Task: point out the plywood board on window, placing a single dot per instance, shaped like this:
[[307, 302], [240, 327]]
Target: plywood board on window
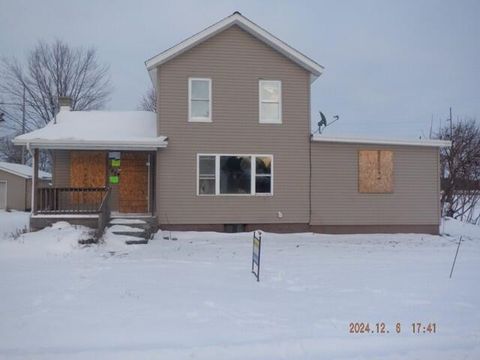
[[87, 170], [375, 171]]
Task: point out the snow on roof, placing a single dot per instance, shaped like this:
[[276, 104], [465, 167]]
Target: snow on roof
[[116, 130], [238, 19], [352, 140], [24, 171]]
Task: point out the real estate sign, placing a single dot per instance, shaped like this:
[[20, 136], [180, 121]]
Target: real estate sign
[[257, 246]]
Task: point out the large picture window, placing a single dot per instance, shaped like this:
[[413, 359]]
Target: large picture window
[[234, 174], [270, 99], [199, 100]]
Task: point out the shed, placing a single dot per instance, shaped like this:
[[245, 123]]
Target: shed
[[16, 186]]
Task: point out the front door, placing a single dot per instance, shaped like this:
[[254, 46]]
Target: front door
[[133, 186]]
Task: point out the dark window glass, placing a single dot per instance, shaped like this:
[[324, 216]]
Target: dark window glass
[[206, 176], [263, 165], [263, 184], [235, 175], [263, 175]]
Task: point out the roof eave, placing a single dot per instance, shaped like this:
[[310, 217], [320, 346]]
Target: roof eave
[[427, 143], [91, 145], [24, 176]]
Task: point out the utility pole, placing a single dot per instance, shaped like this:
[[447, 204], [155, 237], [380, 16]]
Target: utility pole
[[23, 124], [451, 124]]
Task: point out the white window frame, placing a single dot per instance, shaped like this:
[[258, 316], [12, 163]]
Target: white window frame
[[199, 118], [253, 174], [260, 101], [198, 174]]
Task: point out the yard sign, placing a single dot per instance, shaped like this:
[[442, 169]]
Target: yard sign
[[257, 246]]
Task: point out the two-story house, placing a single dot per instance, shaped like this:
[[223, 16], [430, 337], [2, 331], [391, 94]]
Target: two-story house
[[230, 149]]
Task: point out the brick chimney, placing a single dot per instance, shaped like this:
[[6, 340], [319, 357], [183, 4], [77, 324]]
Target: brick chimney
[[65, 103]]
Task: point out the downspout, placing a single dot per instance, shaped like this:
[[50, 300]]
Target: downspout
[[25, 198], [310, 182], [32, 200]]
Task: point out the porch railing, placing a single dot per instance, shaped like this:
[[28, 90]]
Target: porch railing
[[71, 200]]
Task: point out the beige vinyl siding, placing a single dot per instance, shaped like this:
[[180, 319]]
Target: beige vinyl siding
[[28, 191], [61, 168], [19, 190], [15, 190], [235, 61], [336, 201]]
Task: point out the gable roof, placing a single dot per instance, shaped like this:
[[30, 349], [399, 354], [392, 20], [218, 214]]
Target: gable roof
[[88, 130], [23, 171], [236, 18]]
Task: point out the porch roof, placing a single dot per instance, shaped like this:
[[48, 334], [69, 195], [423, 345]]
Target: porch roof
[[88, 130]]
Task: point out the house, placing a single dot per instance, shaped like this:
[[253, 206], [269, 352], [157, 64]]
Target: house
[[231, 149], [16, 186]]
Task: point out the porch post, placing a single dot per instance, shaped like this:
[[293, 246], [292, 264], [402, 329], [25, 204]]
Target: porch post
[[34, 180]]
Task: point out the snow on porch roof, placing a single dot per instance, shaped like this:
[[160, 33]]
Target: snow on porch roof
[[23, 171], [114, 130]]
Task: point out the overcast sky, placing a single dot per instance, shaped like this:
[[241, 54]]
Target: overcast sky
[[390, 67]]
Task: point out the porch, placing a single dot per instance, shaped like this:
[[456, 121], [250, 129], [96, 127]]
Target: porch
[[90, 186], [103, 161]]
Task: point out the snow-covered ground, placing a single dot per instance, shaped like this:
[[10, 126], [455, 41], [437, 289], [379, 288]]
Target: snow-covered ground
[[12, 223], [195, 298]]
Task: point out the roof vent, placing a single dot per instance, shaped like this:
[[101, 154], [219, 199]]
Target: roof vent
[[65, 103]]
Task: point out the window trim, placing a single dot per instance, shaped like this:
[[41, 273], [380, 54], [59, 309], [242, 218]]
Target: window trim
[[260, 101], [201, 118], [253, 172]]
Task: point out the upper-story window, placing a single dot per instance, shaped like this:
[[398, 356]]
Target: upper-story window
[[199, 99], [270, 99]]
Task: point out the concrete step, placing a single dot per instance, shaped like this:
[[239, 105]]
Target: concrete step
[[127, 239], [132, 235], [137, 230], [136, 223], [146, 223], [129, 230], [136, 242]]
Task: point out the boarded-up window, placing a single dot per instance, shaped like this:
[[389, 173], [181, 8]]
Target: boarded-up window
[[375, 171], [87, 170]]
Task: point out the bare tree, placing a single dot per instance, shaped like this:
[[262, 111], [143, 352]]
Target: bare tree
[[149, 101], [29, 91], [9, 152], [460, 170]]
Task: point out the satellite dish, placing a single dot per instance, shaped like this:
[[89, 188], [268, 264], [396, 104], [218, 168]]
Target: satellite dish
[[322, 124], [323, 121]]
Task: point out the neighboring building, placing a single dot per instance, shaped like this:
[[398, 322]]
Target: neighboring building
[[16, 186], [234, 102]]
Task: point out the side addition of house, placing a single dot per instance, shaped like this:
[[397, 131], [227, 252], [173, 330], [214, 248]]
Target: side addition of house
[[230, 149]]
